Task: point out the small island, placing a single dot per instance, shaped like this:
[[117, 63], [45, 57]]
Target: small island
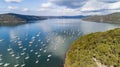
[[100, 49], [110, 18]]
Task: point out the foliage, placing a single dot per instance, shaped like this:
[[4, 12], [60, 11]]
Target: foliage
[[104, 46]]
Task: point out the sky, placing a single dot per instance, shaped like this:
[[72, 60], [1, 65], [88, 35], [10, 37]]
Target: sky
[[60, 7]]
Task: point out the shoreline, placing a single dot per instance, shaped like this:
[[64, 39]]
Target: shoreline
[[101, 22]]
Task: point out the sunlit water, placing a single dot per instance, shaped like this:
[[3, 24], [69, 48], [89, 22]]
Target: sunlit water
[[44, 43]]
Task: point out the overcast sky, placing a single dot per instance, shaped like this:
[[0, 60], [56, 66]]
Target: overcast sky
[[60, 7]]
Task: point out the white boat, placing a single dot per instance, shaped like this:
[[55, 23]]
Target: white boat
[[49, 55], [37, 61], [27, 57], [38, 55], [16, 65], [6, 64], [22, 65], [48, 59]]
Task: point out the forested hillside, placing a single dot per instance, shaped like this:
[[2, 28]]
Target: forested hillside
[[95, 49]]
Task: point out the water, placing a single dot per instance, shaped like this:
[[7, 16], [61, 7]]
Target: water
[[44, 43]]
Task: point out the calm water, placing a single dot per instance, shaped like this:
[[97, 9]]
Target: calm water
[[44, 43]]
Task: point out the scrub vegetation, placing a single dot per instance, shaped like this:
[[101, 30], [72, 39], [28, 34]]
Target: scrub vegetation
[[102, 46]]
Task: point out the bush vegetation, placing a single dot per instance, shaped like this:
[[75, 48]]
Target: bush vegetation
[[104, 46]]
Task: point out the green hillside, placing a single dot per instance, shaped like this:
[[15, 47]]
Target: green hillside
[[110, 18], [12, 18], [95, 49]]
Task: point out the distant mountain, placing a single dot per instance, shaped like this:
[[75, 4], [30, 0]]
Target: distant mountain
[[66, 17], [110, 18], [12, 18]]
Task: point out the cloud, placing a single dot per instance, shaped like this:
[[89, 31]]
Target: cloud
[[80, 3], [109, 1], [115, 5], [88, 5], [12, 7], [13, 1], [54, 9], [47, 5], [69, 3], [101, 7], [70, 7], [80, 7], [94, 5], [26, 9]]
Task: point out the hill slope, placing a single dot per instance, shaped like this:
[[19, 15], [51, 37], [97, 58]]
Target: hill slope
[[95, 49], [10, 18], [66, 17], [111, 18]]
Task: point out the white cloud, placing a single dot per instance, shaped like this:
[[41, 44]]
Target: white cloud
[[93, 5], [67, 11], [88, 7], [16, 1], [47, 5], [69, 7], [12, 7], [25, 9], [109, 1], [115, 5], [69, 3], [54, 9]]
